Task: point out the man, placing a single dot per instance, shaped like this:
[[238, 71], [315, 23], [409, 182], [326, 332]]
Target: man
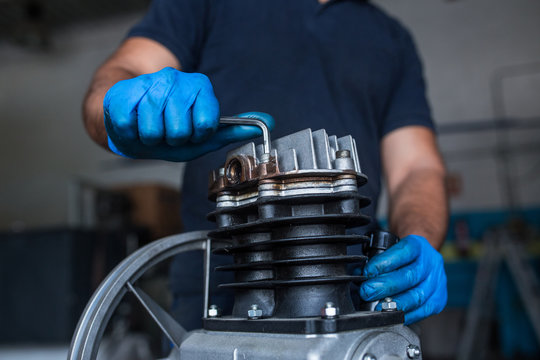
[[340, 65]]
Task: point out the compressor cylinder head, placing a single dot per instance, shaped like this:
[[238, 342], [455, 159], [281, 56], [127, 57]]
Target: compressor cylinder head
[[285, 218]]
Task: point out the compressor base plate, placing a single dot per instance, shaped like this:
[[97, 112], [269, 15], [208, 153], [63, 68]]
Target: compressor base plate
[[308, 325]]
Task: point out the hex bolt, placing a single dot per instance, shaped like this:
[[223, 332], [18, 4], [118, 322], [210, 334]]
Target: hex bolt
[[254, 312], [341, 154], [214, 311], [413, 352], [329, 311], [369, 357], [389, 305], [343, 160]]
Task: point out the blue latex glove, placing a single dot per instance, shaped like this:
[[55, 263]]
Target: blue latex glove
[[169, 115], [412, 274]]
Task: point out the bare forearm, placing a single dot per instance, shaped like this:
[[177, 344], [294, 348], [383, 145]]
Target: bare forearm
[[412, 273], [103, 80], [419, 206]]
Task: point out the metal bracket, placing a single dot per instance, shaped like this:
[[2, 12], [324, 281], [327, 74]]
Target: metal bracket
[[253, 122]]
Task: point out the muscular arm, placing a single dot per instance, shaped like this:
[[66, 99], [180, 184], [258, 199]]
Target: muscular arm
[[415, 176], [136, 56]]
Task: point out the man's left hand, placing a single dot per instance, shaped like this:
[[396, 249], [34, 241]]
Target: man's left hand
[[412, 274]]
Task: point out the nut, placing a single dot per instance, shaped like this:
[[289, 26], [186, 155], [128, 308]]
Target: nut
[[413, 351], [214, 311], [254, 312], [234, 171], [329, 311], [389, 305]]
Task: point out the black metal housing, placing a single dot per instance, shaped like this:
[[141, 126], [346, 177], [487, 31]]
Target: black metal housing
[[311, 325], [290, 252]]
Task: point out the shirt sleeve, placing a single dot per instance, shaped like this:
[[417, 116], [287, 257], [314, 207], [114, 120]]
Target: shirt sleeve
[[179, 25], [408, 104]]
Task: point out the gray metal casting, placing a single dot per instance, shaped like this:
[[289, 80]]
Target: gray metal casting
[[305, 188], [385, 343], [304, 150]]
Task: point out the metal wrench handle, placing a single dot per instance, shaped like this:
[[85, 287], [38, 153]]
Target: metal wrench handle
[[253, 122]]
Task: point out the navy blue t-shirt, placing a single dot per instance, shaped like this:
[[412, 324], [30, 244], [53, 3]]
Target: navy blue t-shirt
[[344, 66]]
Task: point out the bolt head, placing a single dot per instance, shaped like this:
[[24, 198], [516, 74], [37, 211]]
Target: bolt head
[[254, 312], [389, 305], [340, 154], [413, 352], [369, 357], [329, 311], [214, 311]]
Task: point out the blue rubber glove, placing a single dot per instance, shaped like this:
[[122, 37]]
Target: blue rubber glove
[[169, 115], [412, 274]]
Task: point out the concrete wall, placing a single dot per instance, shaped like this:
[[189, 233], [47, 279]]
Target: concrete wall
[[463, 44], [45, 149]]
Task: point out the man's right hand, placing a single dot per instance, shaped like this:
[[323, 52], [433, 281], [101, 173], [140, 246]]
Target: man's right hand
[[169, 115]]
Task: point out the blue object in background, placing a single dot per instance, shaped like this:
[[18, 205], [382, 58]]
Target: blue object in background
[[517, 337], [460, 279], [480, 221], [515, 332]]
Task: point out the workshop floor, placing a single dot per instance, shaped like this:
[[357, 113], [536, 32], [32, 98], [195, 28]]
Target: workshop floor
[[33, 352]]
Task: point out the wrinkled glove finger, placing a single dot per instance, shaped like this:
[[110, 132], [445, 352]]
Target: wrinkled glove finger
[[433, 305], [120, 110], [189, 151], [394, 282], [400, 254], [415, 297], [205, 111], [150, 113], [177, 119]]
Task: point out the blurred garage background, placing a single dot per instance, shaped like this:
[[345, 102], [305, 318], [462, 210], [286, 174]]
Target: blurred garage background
[[70, 211]]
